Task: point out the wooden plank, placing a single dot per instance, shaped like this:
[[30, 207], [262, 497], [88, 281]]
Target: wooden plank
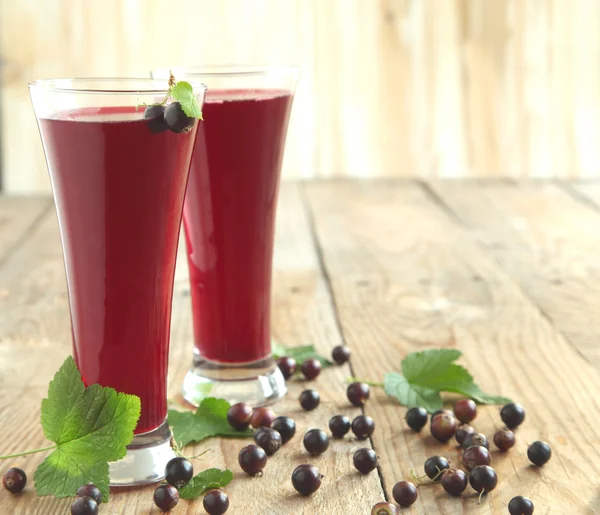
[[302, 312], [547, 241], [17, 216], [589, 190], [407, 277]]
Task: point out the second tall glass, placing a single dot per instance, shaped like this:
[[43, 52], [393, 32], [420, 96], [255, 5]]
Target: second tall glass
[[229, 221]]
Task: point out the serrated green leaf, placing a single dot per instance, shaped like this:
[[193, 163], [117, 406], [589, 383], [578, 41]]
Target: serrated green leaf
[[435, 369], [396, 385], [474, 392], [428, 364], [210, 419], [90, 426], [206, 480], [183, 92], [300, 353]]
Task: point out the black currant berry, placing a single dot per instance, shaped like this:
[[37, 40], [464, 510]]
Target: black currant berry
[[443, 427], [405, 493], [462, 432], [252, 459], [215, 502], [339, 425], [434, 466], [475, 456], [475, 439], [262, 417], [178, 472], [504, 439], [316, 441], [166, 497], [441, 412], [90, 491], [454, 481], [286, 427], [340, 354], [512, 415], [363, 427], [358, 393], [269, 439], [309, 400], [85, 506], [287, 366], [14, 480], [539, 453], [155, 116], [465, 410], [306, 479], [483, 479], [384, 508], [311, 368], [239, 416], [520, 506], [416, 418], [365, 460], [177, 120]]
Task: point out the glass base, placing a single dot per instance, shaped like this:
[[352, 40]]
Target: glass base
[[146, 459], [258, 383]]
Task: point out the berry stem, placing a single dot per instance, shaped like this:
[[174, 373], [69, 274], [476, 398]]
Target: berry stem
[[370, 383], [197, 455], [16, 455]]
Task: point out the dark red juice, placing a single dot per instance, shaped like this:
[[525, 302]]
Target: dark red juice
[[229, 219], [119, 191]]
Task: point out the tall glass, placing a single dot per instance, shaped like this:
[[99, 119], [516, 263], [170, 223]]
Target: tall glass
[[229, 221], [119, 187]]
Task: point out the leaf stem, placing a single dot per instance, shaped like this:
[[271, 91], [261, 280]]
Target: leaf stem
[[370, 383], [16, 455]]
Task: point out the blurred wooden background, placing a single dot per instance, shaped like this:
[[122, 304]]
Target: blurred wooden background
[[447, 88]]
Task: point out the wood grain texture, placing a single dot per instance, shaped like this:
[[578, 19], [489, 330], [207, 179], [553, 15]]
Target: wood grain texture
[[405, 277], [35, 339], [387, 87], [587, 190], [547, 241]]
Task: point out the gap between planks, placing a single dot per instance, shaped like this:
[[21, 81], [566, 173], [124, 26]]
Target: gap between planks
[[327, 279]]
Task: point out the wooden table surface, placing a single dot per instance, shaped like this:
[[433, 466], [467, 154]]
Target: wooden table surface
[[507, 273]]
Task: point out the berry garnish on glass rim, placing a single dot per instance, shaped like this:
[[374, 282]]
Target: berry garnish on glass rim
[[177, 112]]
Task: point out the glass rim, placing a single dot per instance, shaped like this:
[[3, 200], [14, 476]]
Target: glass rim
[[69, 85], [230, 70]]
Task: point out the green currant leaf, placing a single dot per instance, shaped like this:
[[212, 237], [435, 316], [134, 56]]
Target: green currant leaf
[[183, 93], [206, 480], [396, 385], [435, 369], [90, 426], [210, 419]]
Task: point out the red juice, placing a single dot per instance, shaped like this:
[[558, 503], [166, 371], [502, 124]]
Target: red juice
[[119, 191], [229, 220]]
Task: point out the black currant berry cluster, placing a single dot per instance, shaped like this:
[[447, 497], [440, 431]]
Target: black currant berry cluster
[[311, 367], [178, 473], [476, 457], [160, 118], [272, 432]]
